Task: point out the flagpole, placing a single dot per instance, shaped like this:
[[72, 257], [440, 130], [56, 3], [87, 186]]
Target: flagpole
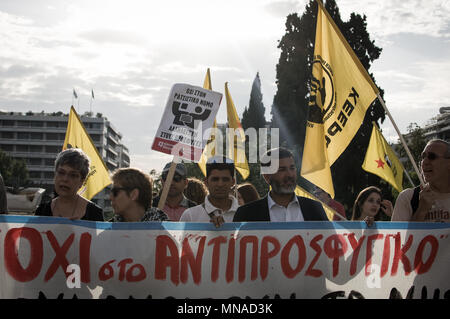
[[419, 175], [409, 177]]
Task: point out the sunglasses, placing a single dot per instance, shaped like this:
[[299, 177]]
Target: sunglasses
[[177, 178], [115, 190], [430, 156]]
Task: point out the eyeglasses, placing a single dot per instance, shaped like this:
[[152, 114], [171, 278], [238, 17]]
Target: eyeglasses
[[430, 155], [72, 175], [177, 178], [115, 190]]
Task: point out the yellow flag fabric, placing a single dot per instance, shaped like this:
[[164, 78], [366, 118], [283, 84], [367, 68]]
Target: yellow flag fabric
[[299, 191], [210, 146], [240, 160], [341, 92], [77, 137], [381, 160]]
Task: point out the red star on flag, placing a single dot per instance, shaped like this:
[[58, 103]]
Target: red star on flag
[[380, 163]]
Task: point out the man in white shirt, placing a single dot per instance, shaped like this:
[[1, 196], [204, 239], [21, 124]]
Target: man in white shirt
[[431, 202], [281, 204], [219, 206]]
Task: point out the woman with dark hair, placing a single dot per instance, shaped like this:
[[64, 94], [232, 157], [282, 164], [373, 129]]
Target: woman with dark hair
[[246, 193], [71, 170], [369, 206]]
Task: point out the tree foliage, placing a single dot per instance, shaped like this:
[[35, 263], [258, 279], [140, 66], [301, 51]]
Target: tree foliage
[[14, 171], [253, 116], [290, 105]]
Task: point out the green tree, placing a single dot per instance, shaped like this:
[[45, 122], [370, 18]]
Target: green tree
[[14, 171], [290, 106], [253, 116]]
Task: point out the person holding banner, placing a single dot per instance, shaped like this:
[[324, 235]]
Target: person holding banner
[[219, 205], [131, 197], [71, 170], [430, 202], [368, 205], [281, 204]]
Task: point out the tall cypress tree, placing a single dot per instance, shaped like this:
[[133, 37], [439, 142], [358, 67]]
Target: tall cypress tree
[[290, 105], [254, 115]]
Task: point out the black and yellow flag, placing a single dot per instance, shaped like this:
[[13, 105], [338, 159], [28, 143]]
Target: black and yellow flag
[[77, 137], [381, 160], [341, 92]]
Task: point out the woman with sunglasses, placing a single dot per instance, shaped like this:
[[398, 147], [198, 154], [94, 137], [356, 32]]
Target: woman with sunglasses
[[429, 202], [71, 170], [131, 197]]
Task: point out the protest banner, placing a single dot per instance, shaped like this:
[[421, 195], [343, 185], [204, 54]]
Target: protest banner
[[190, 111], [55, 257]]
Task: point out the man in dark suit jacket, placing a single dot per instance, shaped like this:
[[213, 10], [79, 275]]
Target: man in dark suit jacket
[[280, 204]]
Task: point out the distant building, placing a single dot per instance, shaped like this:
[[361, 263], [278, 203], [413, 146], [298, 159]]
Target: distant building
[[38, 137], [439, 126]]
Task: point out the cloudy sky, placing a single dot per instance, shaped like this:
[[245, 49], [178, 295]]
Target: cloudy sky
[[131, 53]]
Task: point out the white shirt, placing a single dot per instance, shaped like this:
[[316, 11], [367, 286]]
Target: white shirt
[[291, 213], [200, 213]]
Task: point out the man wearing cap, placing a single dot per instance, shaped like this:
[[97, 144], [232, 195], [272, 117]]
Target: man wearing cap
[[176, 203], [219, 206], [281, 204]]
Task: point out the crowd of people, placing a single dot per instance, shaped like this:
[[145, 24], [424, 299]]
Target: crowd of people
[[218, 200]]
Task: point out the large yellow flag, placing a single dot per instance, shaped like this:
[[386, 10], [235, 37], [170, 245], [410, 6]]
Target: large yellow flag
[[210, 148], [341, 92], [381, 160], [237, 137], [77, 137]]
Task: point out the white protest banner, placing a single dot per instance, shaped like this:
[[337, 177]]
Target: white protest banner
[[56, 257], [190, 111]]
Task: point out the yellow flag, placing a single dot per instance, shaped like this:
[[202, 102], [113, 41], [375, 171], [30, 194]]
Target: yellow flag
[[238, 139], [381, 160], [77, 137], [211, 144], [341, 92], [299, 191]]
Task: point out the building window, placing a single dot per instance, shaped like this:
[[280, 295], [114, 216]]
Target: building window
[[48, 175], [8, 123], [35, 161], [53, 149], [52, 136], [37, 124], [7, 134], [35, 174], [22, 148], [23, 135], [37, 136], [52, 124], [36, 148], [49, 162], [7, 147], [23, 123]]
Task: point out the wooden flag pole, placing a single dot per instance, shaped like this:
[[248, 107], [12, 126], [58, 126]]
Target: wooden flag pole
[[402, 140]]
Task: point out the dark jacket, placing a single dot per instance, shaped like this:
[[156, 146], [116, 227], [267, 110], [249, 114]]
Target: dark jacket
[[258, 211]]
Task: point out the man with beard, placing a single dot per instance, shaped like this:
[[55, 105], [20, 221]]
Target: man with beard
[[281, 204]]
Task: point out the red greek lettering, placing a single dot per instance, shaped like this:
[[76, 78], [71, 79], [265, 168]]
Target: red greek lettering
[[106, 271], [266, 254], [285, 253], [243, 256], [187, 257], [141, 274], [399, 255], [356, 246], [60, 255], [122, 267], [314, 245], [335, 247], [216, 242], [420, 266], [229, 274], [163, 261], [85, 253], [386, 256], [12, 263], [369, 253]]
